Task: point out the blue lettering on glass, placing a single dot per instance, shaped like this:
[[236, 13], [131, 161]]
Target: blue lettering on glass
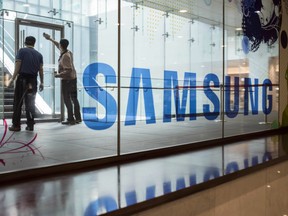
[[246, 163], [131, 198], [211, 115], [99, 94], [231, 167], [255, 160], [254, 100], [266, 84], [189, 82], [192, 179], [180, 184], [139, 74], [106, 202], [171, 83], [150, 192], [169, 76], [211, 173], [110, 204], [267, 156], [231, 113], [141, 79], [167, 187]]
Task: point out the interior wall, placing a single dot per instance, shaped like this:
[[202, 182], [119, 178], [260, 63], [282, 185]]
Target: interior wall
[[283, 96]]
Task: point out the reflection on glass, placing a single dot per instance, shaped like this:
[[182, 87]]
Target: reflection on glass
[[107, 190]]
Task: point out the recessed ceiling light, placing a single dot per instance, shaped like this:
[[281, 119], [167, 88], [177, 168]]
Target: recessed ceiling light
[[26, 5], [183, 11]]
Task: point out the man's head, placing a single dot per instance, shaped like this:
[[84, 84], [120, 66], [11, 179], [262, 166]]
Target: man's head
[[64, 43], [30, 41]]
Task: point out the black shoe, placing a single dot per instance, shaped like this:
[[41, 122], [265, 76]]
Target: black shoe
[[14, 128], [78, 121], [68, 122], [29, 128]]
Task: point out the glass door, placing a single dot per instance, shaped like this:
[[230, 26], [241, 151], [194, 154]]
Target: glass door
[[48, 102]]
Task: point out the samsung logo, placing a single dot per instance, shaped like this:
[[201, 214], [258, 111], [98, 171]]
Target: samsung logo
[[108, 203], [141, 79]]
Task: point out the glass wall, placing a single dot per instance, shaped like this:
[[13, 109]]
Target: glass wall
[[185, 71], [172, 63], [251, 73]]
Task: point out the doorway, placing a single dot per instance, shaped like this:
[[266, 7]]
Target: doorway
[[49, 102]]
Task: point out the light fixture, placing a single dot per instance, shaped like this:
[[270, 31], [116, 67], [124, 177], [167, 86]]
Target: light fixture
[[183, 11], [26, 5]]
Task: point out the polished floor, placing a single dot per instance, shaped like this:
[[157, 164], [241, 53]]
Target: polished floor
[[261, 193], [52, 143], [97, 192]]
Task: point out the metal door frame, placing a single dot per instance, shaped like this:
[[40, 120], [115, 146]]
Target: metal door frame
[[55, 27]]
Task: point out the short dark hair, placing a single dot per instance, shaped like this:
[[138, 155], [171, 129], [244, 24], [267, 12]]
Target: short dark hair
[[64, 43], [30, 41]]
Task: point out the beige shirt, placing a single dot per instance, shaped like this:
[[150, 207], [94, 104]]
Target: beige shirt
[[66, 67]]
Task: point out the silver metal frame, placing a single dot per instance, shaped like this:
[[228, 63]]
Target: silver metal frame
[[53, 27]]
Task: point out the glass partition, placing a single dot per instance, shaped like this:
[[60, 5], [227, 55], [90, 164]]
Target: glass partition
[[2, 74], [252, 74], [173, 71], [189, 71]]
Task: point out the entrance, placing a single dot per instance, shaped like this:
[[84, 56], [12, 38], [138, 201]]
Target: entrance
[[48, 102]]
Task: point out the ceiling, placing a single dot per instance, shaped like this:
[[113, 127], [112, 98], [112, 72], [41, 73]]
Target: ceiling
[[207, 11]]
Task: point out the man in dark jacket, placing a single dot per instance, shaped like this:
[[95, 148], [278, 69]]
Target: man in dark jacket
[[28, 63]]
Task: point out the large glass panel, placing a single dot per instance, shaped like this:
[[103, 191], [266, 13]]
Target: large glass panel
[[100, 69], [251, 81], [96, 65], [170, 174], [190, 71], [142, 67], [3, 76], [7, 58], [171, 74]]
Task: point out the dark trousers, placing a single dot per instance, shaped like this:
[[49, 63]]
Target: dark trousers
[[69, 92], [25, 90]]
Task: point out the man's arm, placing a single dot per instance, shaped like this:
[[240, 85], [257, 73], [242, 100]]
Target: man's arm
[[48, 37], [16, 72], [41, 87]]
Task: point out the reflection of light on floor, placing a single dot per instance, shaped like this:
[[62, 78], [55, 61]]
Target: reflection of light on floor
[[42, 106]]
